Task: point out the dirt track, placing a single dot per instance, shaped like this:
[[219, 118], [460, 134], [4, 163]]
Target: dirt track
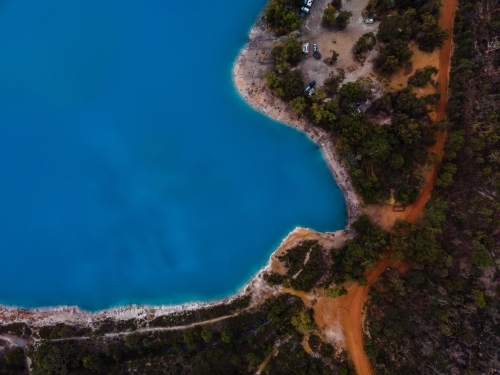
[[351, 306], [446, 22], [352, 303]]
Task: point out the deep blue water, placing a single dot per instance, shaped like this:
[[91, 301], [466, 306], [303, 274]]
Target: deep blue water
[[130, 169]]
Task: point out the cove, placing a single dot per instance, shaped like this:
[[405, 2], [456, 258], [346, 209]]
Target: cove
[[130, 169]]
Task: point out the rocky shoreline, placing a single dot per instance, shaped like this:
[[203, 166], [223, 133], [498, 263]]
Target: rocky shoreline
[[248, 79], [256, 288]]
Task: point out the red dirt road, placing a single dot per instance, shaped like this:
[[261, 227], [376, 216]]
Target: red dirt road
[[446, 22], [352, 303]]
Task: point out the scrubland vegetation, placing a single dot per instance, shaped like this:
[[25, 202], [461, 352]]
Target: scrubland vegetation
[[379, 158], [273, 331], [441, 317]]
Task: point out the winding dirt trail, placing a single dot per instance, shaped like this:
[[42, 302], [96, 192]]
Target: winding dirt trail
[[352, 304]]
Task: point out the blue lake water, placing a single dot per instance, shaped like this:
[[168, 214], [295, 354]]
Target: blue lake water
[[130, 169]]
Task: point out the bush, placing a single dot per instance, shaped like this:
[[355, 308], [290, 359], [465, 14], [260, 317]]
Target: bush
[[287, 55], [281, 17], [365, 43], [422, 76], [329, 16], [332, 83], [343, 19], [335, 56], [287, 86], [335, 291], [393, 56]]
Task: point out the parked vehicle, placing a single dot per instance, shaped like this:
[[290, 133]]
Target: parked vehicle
[[310, 86], [369, 20], [308, 3], [305, 10], [305, 48], [315, 47]]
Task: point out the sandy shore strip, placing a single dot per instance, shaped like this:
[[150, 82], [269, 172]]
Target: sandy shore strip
[[257, 288], [248, 78]]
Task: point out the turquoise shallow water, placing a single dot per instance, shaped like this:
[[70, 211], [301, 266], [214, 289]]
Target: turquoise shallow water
[[130, 169]]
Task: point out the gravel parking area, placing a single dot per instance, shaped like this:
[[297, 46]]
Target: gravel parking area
[[341, 41]]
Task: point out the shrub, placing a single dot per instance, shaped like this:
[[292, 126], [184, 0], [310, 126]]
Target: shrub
[[343, 19], [365, 43], [281, 17], [422, 76], [329, 16]]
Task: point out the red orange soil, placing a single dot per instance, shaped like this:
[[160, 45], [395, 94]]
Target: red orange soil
[[351, 305], [446, 22]]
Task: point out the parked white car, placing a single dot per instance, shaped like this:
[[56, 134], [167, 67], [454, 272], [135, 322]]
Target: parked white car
[[305, 10], [305, 48], [369, 20]]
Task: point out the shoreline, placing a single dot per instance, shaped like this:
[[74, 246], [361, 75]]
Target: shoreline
[[258, 96], [256, 287]]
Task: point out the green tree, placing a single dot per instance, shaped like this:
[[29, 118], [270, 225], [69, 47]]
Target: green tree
[[335, 291], [478, 298], [287, 55], [286, 86], [365, 43], [406, 195], [446, 173], [329, 16], [432, 39], [397, 161], [394, 28], [351, 91], [276, 311], [407, 129], [92, 362], [281, 17], [15, 357], [206, 334], [332, 83], [191, 337], [337, 4], [407, 102], [302, 322], [422, 76], [335, 56], [226, 336], [367, 85], [321, 114], [393, 56], [298, 104], [377, 146], [343, 19]]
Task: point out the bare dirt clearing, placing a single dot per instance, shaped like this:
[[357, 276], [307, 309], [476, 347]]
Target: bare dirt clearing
[[417, 61], [384, 216], [341, 41]]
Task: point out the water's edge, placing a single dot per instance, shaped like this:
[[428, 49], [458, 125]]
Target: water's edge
[[256, 287], [280, 111]]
